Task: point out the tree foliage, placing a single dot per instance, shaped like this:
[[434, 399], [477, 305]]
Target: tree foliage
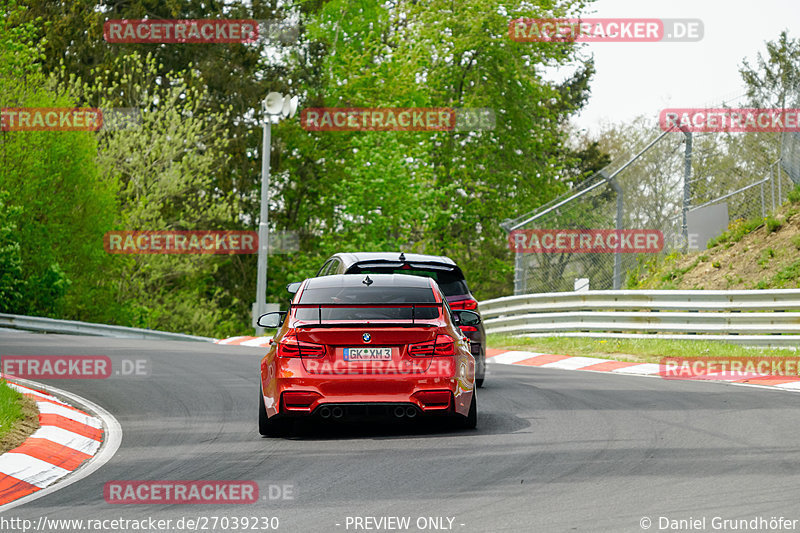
[[193, 161]]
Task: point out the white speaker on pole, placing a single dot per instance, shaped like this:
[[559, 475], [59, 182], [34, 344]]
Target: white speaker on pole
[[287, 104], [273, 103]]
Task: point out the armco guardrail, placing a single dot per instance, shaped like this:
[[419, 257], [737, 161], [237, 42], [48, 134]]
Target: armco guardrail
[[765, 317], [73, 327]]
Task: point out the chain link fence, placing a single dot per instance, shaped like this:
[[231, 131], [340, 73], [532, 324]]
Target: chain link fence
[[688, 186]]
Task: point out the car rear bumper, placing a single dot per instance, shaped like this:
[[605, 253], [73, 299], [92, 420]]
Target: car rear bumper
[[300, 393], [375, 411]]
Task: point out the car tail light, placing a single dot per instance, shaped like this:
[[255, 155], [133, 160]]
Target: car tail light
[[444, 345], [468, 328], [468, 304], [291, 347]]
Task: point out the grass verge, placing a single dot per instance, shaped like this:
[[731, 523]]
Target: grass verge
[[634, 350], [18, 417]]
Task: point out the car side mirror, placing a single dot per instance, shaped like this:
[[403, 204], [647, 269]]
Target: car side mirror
[[294, 287], [271, 320], [467, 318]]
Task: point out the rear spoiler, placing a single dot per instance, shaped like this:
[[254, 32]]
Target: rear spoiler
[[390, 263], [413, 307]]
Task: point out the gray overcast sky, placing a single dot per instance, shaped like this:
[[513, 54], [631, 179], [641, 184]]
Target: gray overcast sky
[[643, 78]]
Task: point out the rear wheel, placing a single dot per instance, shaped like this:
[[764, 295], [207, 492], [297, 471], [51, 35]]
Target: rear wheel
[[480, 373], [471, 420]]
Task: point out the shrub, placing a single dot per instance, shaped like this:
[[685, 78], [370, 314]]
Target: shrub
[[773, 224], [794, 195]]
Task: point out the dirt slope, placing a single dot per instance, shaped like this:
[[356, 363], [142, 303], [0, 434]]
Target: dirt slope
[[754, 254]]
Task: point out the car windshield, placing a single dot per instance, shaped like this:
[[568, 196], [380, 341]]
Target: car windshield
[[450, 281], [366, 303]]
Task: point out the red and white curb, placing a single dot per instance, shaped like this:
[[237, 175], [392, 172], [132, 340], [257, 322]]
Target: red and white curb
[[592, 364], [245, 341], [61, 450]]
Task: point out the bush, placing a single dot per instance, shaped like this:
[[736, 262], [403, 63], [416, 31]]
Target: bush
[[773, 224], [794, 195], [736, 230]]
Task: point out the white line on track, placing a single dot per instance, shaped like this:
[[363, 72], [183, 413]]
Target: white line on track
[[111, 443]]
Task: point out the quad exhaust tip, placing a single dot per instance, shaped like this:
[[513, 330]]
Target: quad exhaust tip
[[338, 412]]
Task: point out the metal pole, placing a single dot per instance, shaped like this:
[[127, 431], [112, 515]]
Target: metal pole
[[619, 226], [780, 175], [618, 254], [763, 207], [687, 199], [772, 187], [263, 225], [518, 272]]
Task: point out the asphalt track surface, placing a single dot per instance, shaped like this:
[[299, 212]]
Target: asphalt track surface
[[555, 450]]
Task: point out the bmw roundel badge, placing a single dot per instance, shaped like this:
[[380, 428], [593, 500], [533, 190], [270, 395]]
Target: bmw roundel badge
[[367, 337]]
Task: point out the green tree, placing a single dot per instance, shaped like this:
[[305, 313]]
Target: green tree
[[53, 177], [166, 160]]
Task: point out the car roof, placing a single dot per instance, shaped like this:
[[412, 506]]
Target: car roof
[[378, 280], [351, 258]]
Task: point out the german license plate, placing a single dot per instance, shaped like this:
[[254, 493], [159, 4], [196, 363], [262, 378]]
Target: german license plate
[[367, 354]]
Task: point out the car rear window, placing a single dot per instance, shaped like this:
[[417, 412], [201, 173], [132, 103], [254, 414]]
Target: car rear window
[[367, 295], [451, 283], [383, 296]]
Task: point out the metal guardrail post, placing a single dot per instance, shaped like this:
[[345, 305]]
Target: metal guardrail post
[[619, 224]]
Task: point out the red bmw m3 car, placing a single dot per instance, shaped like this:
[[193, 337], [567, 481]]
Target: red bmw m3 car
[[378, 345]]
